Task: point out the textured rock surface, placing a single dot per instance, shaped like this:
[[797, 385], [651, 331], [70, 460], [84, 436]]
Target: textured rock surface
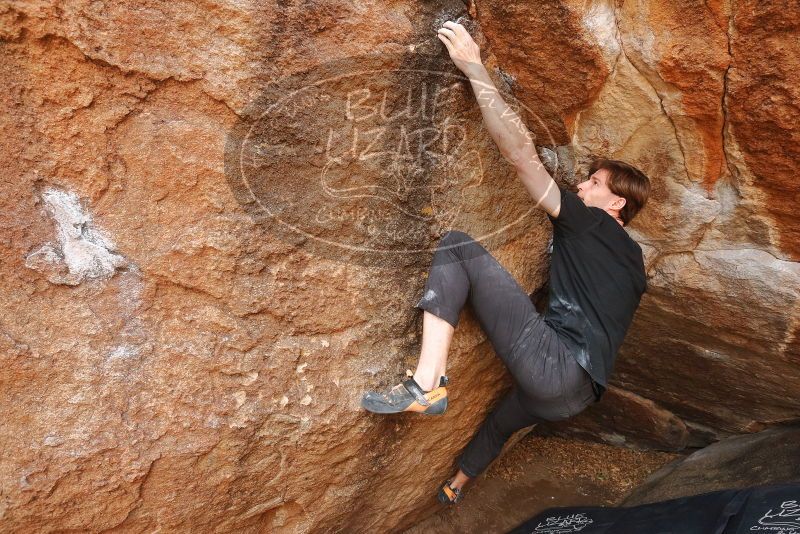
[[169, 362], [767, 457], [625, 419], [541, 473]]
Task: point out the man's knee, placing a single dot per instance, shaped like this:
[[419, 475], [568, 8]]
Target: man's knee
[[456, 245], [455, 237]]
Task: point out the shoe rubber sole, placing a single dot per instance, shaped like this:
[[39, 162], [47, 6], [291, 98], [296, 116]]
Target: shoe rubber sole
[[436, 397]]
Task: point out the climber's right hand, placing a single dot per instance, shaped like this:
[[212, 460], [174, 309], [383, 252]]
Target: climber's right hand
[[463, 49]]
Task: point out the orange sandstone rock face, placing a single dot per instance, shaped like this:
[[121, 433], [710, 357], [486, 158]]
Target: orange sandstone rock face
[[557, 63], [173, 358], [176, 356], [762, 107]]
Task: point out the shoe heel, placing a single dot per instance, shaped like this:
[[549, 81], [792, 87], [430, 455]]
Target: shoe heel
[[437, 408]]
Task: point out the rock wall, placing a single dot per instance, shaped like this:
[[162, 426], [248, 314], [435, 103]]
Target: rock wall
[[186, 331], [738, 462]]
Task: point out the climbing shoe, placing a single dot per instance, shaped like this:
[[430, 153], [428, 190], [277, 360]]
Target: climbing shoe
[[408, 396], [448, 495]]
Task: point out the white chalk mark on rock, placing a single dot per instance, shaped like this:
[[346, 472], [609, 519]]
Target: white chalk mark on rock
[[124, 351], [249, 378], [600, 21], [53, 440], [82, 251]]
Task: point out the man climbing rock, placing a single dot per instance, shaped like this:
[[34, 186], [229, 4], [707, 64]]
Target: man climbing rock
[[560, 361]]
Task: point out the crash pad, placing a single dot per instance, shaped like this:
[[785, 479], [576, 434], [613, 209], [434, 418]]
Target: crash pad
[[773, 509]]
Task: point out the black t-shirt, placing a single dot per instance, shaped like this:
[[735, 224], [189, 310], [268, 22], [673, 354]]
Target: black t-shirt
[[597, 278]]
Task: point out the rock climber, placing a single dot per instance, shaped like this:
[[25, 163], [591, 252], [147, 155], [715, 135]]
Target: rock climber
[[561, 361]]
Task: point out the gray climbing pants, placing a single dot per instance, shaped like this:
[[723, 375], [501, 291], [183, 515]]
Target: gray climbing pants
[[549, 384]]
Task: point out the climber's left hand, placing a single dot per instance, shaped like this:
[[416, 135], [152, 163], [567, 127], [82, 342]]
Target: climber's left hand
[[464, 51]]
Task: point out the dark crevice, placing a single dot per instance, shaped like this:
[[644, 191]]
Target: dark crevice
[[725, 121]]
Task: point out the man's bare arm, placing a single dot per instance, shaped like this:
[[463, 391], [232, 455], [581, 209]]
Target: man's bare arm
[[513, 139], [514, 142]]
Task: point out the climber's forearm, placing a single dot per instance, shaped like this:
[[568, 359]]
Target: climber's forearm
[[514, 140], [506, 128], [504, 125]]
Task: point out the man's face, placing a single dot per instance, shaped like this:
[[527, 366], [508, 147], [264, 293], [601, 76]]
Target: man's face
[[595, 192]]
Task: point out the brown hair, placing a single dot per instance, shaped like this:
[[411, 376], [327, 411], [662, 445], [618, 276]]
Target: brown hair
[[626, 181]]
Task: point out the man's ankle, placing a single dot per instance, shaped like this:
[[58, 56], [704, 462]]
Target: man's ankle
[[427, 384]]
